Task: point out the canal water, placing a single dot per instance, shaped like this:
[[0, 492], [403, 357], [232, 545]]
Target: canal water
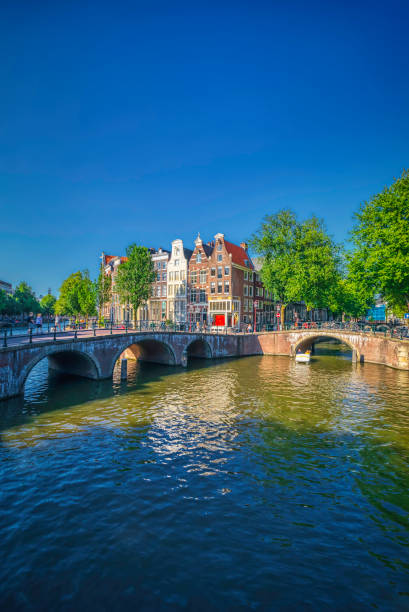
[[254, 483]]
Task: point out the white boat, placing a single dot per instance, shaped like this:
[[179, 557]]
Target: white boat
[[303, 357]]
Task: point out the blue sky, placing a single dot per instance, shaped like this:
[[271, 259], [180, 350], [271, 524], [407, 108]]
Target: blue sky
[[144, 122]]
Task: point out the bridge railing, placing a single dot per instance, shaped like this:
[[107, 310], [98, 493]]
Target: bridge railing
[[76, 331]]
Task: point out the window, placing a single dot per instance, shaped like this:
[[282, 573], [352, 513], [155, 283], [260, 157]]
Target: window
[[203, 275], [220, 257], [199, 258], [158, 276], [176, 276], [246, 275], [246, 290], [219, 272], [182, 274], [158, 291], [176, 250], [226, 286], [193, 277], [250, 276], [219, 246], [226, 271], [164, 291], [202, 296], [193, 296], [176, 262], [219, 287], [212, 287], [163, 265], [213, 272], [163, 276], [251, 291]]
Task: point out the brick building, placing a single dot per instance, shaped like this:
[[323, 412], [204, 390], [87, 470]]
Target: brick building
[[199, 270], [158, 310], [230, 284]]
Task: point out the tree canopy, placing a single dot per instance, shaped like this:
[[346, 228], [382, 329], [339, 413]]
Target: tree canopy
[[379, 262], [77, 296], [25, 299], [135, 277], [47, 304], [8, 305], [301, 262], [103, 288]]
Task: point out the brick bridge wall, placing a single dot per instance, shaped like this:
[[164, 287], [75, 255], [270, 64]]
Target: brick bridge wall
[[95, 357]]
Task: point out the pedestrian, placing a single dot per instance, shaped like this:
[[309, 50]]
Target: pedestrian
[[30, 321], [39, 322], [57, 323], [249, 328]]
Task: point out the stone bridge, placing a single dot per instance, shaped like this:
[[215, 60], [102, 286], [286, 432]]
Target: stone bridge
[[95, 356]]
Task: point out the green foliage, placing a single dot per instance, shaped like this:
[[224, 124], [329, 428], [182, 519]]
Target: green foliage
[[349, 298], [25, 299], [300, 260], [68, 300], [103, 288], [380, 260], [47, 304], [77, 296], [87, 296], [7, 303], [135, 277]]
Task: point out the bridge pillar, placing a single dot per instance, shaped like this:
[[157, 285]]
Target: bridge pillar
[[124, 369], [354, 356]]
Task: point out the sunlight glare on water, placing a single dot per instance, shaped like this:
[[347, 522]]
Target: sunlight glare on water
[[255, 482]]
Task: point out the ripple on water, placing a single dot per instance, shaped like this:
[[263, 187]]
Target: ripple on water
[[243, 483]]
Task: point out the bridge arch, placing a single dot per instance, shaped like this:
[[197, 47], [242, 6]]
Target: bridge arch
[[198, 348], [306, 342], [146, 349], [63, 359]]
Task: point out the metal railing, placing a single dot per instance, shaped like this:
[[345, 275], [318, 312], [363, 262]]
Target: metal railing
[[78, 330]]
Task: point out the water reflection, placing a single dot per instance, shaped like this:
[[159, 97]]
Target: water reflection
[[255, 482]]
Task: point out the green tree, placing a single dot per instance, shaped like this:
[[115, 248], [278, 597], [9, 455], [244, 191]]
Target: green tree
[[77, 296], [103, 288], [25, 299], [300, 260], [8, 305], [348, 298], [68, 301], [380, 260], [87, 296], [135, 277], [47, 304]]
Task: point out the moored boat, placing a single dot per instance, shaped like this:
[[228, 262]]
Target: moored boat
[[303, 357]]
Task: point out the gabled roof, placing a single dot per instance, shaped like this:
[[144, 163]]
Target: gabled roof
[[207, 249], [109, 258], [188, 253], [239, 255]]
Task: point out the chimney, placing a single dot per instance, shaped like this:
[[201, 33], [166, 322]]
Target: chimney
[[244, 245]]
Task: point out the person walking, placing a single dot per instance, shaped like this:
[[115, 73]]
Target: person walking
[[57, 323], [30, 321], [39, 322]]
